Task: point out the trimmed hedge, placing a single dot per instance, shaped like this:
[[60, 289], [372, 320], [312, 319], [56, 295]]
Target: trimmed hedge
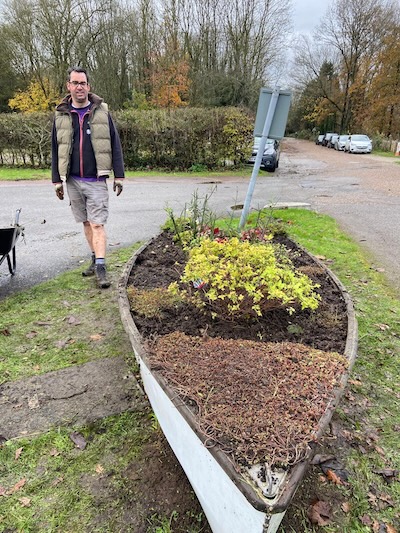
[[169, 139]]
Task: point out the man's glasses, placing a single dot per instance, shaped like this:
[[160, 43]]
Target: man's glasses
[[76, 83]]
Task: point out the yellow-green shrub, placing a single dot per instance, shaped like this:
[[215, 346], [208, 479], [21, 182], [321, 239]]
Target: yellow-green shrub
[[236, 278]]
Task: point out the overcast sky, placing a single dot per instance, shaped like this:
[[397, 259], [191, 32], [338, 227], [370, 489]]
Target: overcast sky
[[307, 14]]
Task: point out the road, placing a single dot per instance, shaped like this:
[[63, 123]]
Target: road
[[362, 192]]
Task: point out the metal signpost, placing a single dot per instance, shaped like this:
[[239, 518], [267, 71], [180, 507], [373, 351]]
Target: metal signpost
[[272, 112]]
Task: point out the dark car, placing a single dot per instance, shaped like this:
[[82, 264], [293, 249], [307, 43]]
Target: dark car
[[327, 138], [332, 140], [270, 158]]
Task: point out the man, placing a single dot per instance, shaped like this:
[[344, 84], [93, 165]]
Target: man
[[85, 147]]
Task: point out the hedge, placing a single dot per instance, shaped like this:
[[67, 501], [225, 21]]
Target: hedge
[[169, 139]]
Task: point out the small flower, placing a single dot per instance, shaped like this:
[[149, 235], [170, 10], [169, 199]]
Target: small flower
[[199, 284]]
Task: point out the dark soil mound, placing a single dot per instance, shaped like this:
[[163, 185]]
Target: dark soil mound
[[162, 262]]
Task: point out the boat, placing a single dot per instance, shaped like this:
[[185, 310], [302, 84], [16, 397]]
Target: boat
[[255, 499]]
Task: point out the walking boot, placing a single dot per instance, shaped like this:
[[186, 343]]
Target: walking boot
[[101, 276], [90, 271]]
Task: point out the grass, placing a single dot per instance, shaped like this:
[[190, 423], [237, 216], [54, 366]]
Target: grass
[[58, 495], [46, 327], [385, 154], [38, 335], [371, 411], [20, 173]]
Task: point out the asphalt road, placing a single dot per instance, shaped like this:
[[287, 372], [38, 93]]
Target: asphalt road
[[362, 192]]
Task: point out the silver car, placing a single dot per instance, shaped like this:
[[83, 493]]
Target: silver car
[[358, 144], [341, 142]]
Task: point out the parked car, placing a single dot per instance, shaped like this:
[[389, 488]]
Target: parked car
[[358, 144], [331, 142], [340, 142], [327, 138], [319, 139], [270, 158]]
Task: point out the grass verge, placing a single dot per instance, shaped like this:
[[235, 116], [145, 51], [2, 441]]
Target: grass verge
[[68, 321], [370, 412], [32, 174]]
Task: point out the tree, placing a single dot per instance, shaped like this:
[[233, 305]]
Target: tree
[[34, 98], [354, 30], [384, 91]]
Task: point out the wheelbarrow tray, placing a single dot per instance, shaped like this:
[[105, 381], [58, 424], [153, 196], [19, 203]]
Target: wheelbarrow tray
[[8, 239]]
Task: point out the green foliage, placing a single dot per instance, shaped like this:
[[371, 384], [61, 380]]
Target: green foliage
[[172, 139], [189, 226], [25, 139], [184, 138], [236, 278], [197, 167], [237, 135]]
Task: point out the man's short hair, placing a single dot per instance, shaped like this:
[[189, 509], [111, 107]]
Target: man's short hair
[[77, 69]]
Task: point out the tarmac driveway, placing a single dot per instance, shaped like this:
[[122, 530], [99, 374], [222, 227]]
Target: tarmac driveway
[[362, 192]]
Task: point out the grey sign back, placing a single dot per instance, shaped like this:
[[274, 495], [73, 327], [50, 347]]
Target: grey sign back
[[278, 126]]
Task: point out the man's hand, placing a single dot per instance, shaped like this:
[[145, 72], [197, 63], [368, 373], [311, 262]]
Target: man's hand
[[59, 188], [118, 186]]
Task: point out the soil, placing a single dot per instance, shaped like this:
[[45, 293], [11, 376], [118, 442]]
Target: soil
[[162, 262]]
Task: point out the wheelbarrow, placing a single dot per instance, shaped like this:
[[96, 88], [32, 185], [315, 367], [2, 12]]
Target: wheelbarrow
[[8, 239]]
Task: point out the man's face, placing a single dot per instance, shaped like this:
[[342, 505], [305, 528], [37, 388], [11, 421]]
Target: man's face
[[79, 89]]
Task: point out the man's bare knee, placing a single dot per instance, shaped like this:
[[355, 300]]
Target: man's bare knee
[[97, 226]]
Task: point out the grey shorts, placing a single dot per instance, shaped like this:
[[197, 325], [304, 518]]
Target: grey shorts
[[88, 200]]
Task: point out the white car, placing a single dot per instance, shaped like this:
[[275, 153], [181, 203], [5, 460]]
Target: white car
[[358, 144], [341, 142]]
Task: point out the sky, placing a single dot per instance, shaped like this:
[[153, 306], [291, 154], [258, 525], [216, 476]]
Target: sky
[[307, 14]]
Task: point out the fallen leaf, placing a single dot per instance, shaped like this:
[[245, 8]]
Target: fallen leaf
[[390, 529], [31, 334], [354, 382], [18, 453], [346, 507], [376, 527], [41, 323], [380, 450], [57, 481], [33, 402], [99, 469], [330, 474], [388, 474], [319, 513], [6, 332], [24, 501], [61, 344], [78, 440], [382, 327], [97, 337], [17, 486], [73, 321], [3, 491], [366, 520], [54, 452], [335, 467]]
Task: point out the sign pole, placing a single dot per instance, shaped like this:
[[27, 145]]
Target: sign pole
[[260, 152]]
